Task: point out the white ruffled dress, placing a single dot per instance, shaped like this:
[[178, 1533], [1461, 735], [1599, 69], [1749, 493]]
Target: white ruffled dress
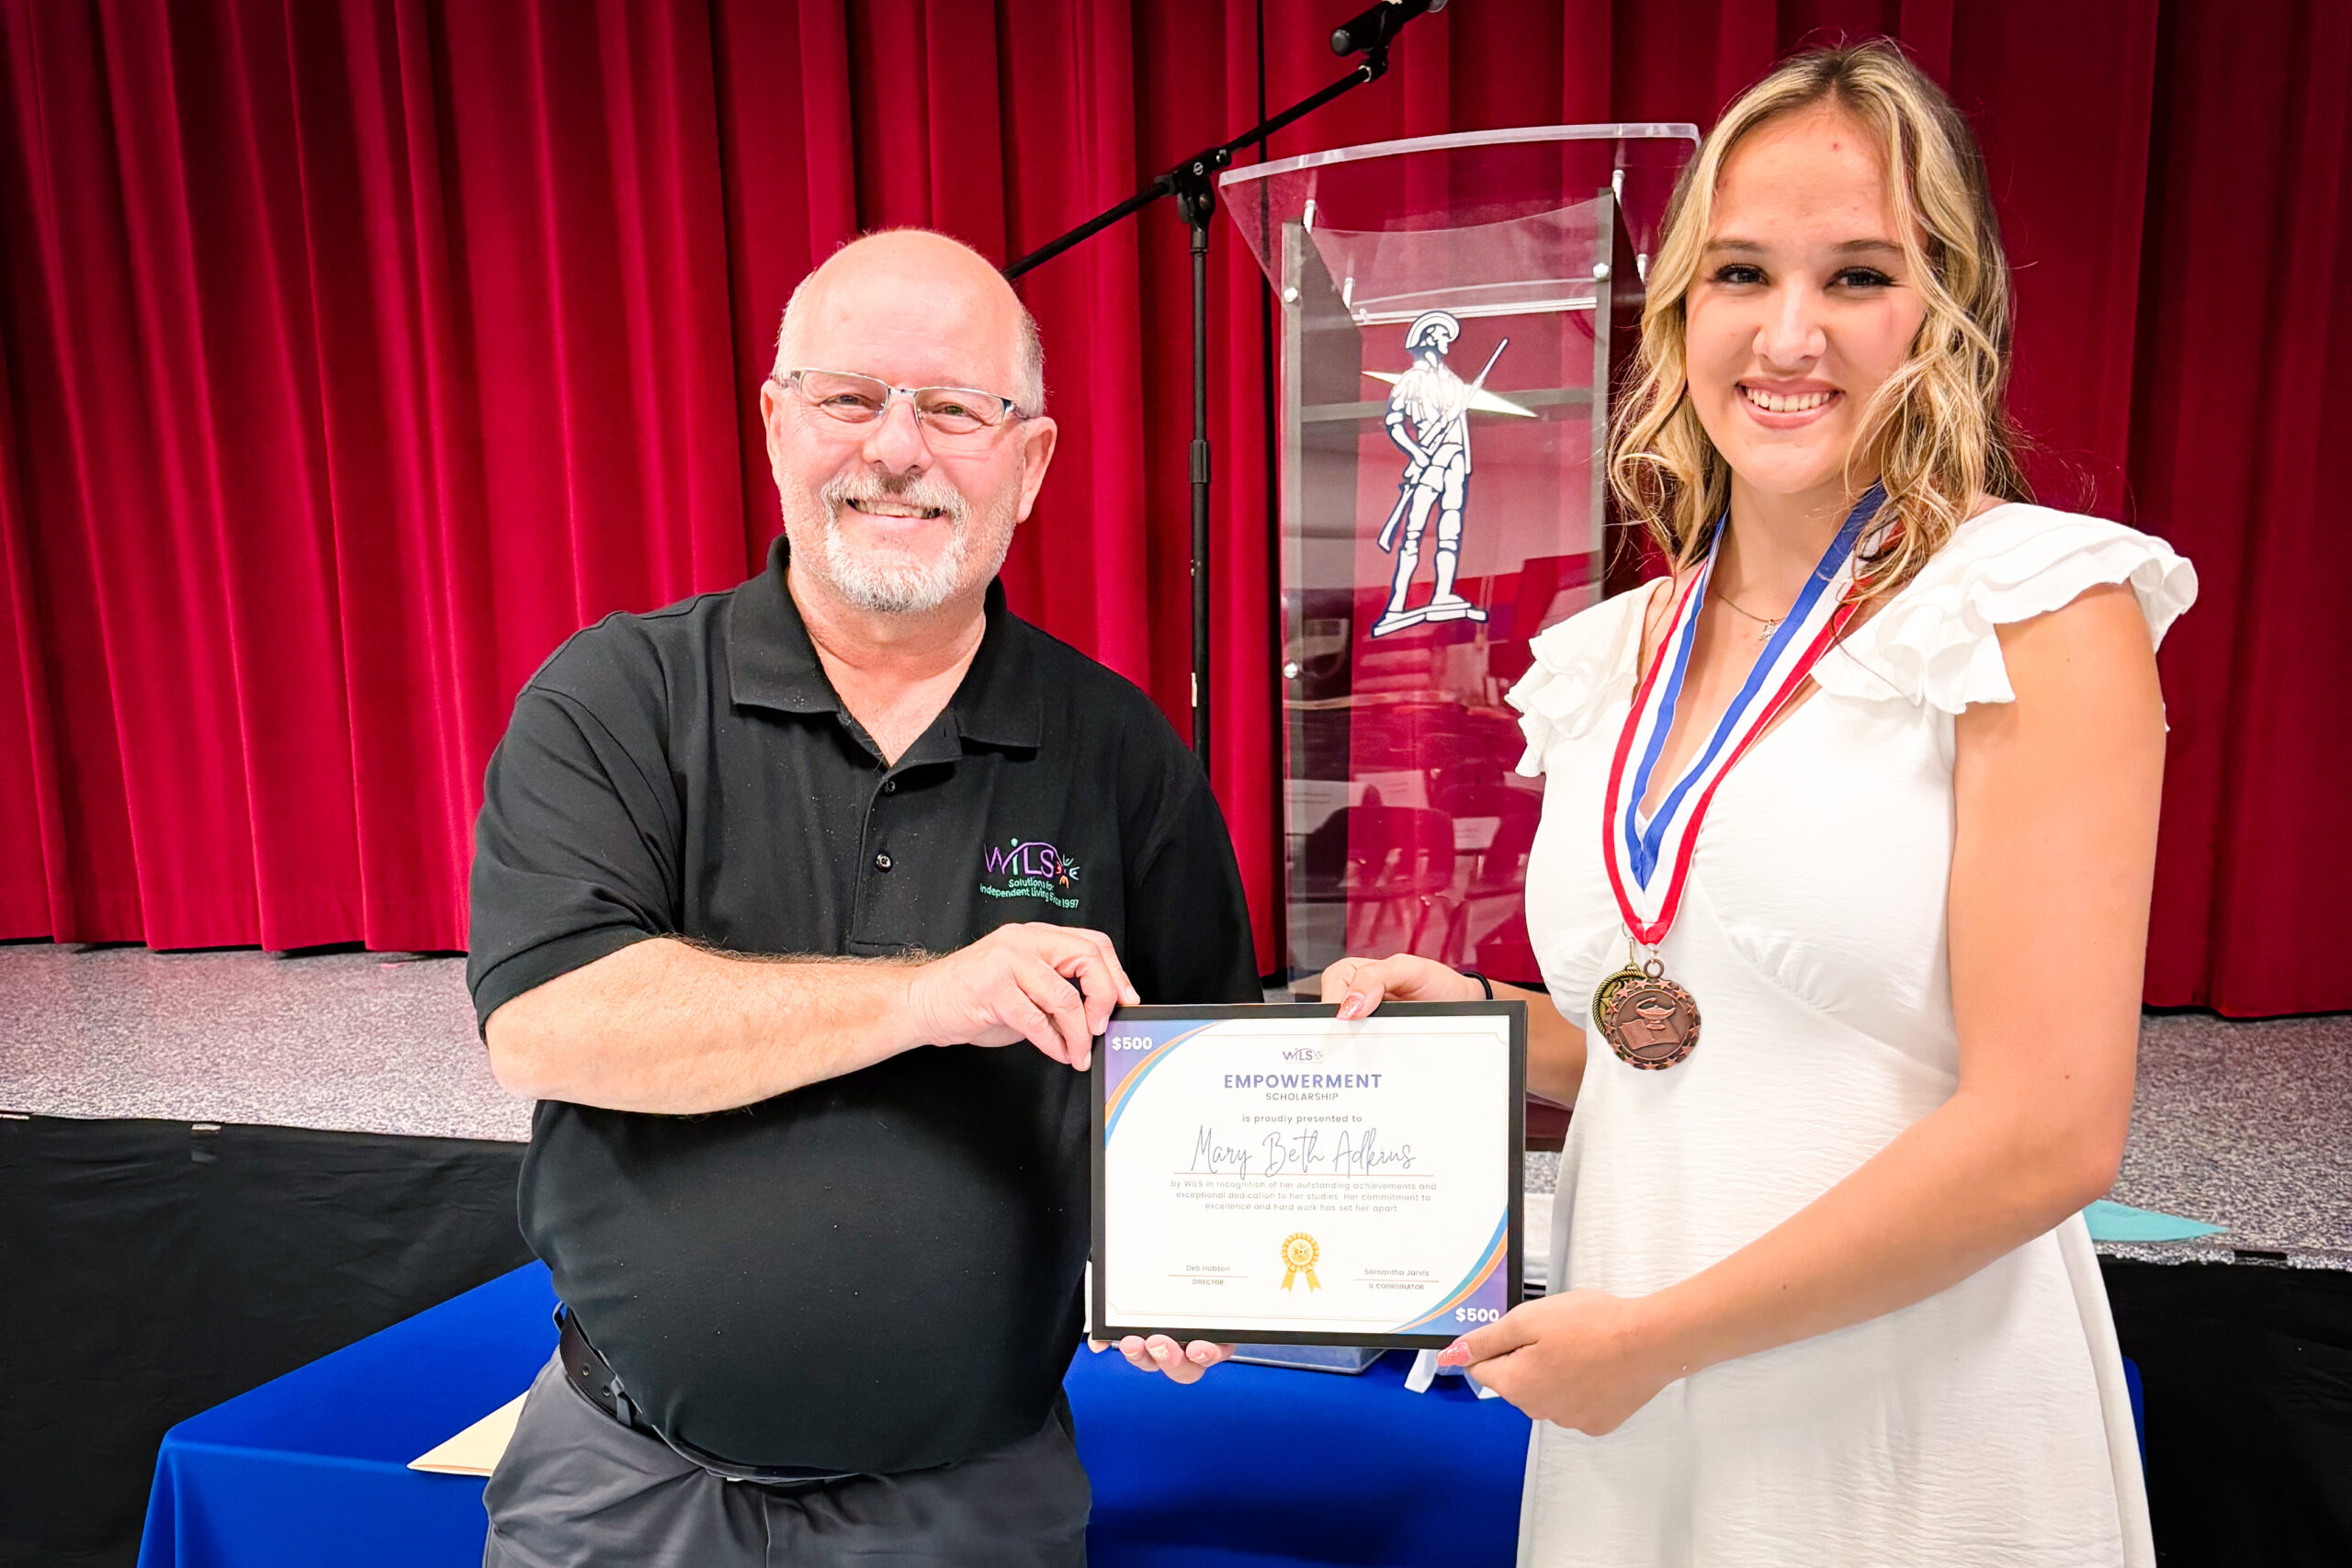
[[1988, 1426]]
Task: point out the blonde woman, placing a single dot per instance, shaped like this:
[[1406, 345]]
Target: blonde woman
[[1841, 896]]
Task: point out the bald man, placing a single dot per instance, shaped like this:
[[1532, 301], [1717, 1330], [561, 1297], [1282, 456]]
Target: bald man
[[799, 909]]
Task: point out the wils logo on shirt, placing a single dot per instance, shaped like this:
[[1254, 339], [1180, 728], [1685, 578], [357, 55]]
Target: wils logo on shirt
[[1029, 868]]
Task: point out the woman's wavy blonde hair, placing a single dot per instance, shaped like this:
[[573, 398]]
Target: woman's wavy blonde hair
[[1938, 430]]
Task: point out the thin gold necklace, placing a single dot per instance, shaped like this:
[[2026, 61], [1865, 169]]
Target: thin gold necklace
[[1759, 620]]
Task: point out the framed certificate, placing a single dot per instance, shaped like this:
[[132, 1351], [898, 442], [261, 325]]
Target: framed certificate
[[1274, 1174]]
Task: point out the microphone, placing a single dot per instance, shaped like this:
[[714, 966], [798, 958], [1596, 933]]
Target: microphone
[[1378, 25]]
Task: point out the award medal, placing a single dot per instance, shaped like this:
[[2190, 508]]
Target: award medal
[[1300, 1255], [1649, 1020]]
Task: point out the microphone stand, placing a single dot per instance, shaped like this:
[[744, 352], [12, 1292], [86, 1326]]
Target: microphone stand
[[1191, 183]]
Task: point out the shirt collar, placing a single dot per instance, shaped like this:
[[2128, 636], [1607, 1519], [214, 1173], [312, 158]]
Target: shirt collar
[[772, 663]]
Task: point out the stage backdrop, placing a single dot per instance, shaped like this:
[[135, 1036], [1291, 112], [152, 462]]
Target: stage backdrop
[[357, 351]]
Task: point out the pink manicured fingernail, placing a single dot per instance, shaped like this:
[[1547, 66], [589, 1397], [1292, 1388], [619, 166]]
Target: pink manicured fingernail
[[1454, 1355], [1355, 1005]]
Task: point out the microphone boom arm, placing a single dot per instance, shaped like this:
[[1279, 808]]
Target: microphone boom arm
[[1201, 167], [1192, 183]]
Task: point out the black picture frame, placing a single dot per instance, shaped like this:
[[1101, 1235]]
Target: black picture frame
[[1514, 1259]]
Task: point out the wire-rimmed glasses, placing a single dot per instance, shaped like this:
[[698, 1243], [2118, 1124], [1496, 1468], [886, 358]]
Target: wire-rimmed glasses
[[861, 399]]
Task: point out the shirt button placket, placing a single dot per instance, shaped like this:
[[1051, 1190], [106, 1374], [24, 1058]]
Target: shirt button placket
[[882, 861], [883, 899]]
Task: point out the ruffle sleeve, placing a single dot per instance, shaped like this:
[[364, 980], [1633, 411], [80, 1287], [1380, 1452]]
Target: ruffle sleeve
[[1935, 643], [1580, 666]]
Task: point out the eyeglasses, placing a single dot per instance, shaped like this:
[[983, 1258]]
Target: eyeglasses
[[861, 399]]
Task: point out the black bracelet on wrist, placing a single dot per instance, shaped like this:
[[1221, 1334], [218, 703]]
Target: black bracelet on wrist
[[1484, 984]]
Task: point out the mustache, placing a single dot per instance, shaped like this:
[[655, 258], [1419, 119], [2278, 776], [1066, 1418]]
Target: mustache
[[921, 489]]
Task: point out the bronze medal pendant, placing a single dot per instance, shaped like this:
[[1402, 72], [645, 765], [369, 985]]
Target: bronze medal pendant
[[1650, 1023]]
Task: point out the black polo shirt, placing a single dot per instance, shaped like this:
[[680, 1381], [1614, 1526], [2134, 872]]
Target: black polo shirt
[[880, 1271]]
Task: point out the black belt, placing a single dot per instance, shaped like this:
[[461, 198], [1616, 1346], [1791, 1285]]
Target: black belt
[[594, 1376]]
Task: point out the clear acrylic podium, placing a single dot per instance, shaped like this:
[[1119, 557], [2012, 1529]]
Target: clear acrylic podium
[[1452, 309]]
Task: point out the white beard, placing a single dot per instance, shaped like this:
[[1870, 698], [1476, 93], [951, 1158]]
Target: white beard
[[883, 578]]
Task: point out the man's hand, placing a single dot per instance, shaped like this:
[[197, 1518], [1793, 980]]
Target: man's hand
[[1182, 1363], [1052, 986], [1586, 1359]]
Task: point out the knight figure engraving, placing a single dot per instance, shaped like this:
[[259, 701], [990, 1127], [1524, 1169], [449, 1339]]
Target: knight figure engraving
[[1429, 418]]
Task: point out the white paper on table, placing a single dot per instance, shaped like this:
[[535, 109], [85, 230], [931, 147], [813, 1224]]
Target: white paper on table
[[478, 1449]]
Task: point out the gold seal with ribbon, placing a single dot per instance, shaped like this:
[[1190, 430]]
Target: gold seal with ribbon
[[1299, 1256]]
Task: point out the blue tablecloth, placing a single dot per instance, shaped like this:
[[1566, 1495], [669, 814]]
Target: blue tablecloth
[[1251, 1468]]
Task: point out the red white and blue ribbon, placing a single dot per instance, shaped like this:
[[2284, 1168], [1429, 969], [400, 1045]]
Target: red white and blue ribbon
[[1649, 861]]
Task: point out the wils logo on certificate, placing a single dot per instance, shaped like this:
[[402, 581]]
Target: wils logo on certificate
[[1272, 1173]]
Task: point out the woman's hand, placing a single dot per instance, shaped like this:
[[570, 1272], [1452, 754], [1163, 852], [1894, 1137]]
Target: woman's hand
[[1182, 1363], [1586, 1359], [1359, 985]]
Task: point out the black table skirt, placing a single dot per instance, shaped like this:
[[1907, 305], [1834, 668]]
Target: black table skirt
[[150, 1270]]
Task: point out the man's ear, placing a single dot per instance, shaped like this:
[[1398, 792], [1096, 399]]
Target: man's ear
[[1038, 437], [773, 414]]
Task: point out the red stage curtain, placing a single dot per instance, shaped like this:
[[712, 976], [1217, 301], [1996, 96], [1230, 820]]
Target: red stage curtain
[[358, 351]]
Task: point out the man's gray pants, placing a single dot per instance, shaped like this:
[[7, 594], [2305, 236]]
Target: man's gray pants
[[577, 1489]]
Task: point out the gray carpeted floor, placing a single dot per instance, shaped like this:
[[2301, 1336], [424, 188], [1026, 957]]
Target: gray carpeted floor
[[349, 1041]]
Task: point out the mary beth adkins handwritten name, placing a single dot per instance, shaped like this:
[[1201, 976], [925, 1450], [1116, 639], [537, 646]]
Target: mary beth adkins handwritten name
[[1299, 1153]]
